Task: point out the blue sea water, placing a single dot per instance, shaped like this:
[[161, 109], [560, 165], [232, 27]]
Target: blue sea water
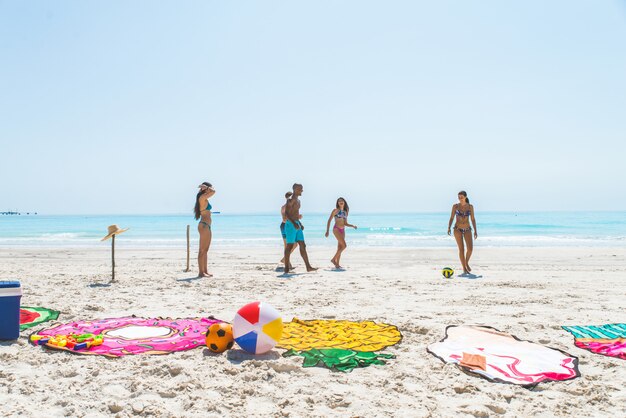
[[496, 229]]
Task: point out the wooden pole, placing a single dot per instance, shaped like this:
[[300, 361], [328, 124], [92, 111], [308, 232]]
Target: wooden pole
[[188, 269], [113, 258]]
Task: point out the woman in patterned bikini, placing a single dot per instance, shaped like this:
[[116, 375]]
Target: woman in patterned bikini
[[340, 213], [462, 229], [202, 212]]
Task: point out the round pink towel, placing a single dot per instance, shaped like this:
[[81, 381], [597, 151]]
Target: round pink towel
[[135, 335]]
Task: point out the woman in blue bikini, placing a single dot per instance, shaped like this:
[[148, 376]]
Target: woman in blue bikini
[[202, 212], [464, 212], [340, 213]]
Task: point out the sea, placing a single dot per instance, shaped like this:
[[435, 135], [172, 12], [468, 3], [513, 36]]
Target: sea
[[410, 230]]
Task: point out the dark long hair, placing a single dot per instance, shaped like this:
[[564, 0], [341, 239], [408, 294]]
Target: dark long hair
[[345, 204], [196, 208], [464, 193]]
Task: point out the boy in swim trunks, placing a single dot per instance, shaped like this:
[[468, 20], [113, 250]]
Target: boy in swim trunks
[[294, 229]]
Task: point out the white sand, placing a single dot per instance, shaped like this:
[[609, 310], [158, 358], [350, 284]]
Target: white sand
[[527, 292]]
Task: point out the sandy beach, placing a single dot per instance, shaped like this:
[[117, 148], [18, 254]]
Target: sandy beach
[[529, 292]]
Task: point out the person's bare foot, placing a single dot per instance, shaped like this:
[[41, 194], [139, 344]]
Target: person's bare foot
[[201, 275], [337, 266], [291, 267], [310, 269], [468, 268]]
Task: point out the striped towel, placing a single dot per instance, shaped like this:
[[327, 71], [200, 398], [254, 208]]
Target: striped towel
[[607, 340]]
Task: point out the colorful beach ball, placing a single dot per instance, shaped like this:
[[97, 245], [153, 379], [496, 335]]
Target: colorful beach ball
[[257, 327], [447, 272]]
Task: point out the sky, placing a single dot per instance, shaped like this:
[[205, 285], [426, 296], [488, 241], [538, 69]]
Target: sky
[[125, 107]]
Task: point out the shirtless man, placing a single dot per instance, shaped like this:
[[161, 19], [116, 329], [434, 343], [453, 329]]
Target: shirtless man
[[294, 228], [282, 227]]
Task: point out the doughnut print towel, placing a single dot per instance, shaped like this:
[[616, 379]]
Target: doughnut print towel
[[502, 357], [32, 316], [303, 335], [133, 335], [608, 340]]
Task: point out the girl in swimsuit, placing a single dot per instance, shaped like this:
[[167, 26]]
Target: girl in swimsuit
[[464, 212], [282, 228], [202, 212], [340, 213]]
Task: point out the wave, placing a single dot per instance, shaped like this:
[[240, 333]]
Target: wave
[[373, 236]]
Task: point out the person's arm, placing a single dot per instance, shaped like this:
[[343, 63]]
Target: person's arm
[[346, 221], [451, 218], [473, 221], [209, 193], [330, 218], [301, 226]]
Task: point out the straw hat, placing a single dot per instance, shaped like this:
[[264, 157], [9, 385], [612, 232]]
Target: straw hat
[[114, 230]]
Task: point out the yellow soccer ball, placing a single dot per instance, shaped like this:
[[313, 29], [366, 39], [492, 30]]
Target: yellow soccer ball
[[447, 272]]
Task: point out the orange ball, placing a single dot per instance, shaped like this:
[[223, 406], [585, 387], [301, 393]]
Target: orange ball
[[219, 337]]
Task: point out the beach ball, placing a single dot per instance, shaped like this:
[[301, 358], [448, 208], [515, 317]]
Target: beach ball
[[447, 272], [219, 337], [257, 327]]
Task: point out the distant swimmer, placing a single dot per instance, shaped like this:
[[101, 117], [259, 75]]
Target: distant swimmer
[[294, 229], [282, 228], [202, 212], [462, 230], [340, 213]]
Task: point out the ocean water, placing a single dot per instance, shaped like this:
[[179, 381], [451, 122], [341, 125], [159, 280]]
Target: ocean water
[[496, 229]]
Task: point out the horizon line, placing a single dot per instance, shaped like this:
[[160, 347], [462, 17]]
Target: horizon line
[[268, 213]]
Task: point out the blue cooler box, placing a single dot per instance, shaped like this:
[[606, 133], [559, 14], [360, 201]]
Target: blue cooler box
[[10, 296]]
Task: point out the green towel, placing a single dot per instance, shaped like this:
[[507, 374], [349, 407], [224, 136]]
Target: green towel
[[338, 359], [31, 316]]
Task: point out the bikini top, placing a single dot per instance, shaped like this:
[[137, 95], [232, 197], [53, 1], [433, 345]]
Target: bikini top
[[342, 214], [208, 206], [463, 214]]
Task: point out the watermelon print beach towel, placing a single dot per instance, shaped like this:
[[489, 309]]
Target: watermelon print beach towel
[[502, 357], [31, 316], [607, 340]]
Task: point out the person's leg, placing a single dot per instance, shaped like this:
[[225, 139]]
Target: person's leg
[[341, 246], [282, 260], [201, 258], [458, 236], [305, 256], [282, 233], [288, 250], [290, 243], [292, 250], [202, 251], [334, 259], [206, 256], [469, 242]]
